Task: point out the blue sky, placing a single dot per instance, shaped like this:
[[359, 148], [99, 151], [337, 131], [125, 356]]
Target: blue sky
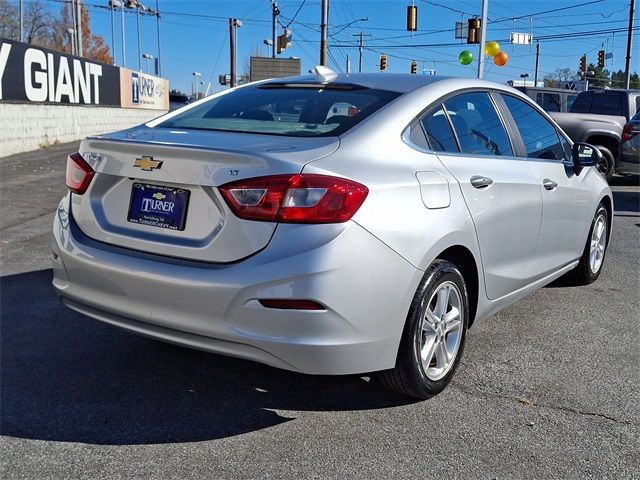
[[193, 39]]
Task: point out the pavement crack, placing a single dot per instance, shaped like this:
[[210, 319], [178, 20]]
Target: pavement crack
[[25, 220], [528, 402]]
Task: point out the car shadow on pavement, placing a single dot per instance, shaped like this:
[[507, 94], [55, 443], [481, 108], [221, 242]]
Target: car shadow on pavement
[[65, 377]]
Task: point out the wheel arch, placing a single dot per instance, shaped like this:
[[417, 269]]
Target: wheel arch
[[462, 258], [608, 204], [608, 141]]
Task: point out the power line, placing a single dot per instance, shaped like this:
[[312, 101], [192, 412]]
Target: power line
[[447, 7], [540, 38], [296, 14], [533, 15]]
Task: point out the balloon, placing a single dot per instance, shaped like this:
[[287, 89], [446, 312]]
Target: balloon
[[465, 57], [491, 48], [500, 59]]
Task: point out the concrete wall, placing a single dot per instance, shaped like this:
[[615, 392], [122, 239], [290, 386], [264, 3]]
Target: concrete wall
[[25, 127]]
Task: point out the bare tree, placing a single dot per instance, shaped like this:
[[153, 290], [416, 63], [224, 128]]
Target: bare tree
[[9, 20], [37, 23], [43, 27]]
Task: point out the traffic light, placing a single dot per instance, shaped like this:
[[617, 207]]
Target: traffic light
[[284, 40], [583, 63], [383, 62], [414, 67], [473, 36], [412, 18], [601, 58]]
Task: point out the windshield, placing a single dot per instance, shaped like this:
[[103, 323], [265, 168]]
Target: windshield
[[280, 109]]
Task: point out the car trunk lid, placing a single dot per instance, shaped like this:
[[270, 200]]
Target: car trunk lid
[[155, 190]]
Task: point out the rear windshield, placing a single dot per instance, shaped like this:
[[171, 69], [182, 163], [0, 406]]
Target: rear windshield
[[274, 109], [582, 103], [602, 103], [607, 104]]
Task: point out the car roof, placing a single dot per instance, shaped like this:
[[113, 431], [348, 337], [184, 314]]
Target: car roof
[[397, 82]]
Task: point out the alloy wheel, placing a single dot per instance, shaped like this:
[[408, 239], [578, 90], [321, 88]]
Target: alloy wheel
[[598, 243], [441, 331]]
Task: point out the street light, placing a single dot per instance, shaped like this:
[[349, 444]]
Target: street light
[[114, 4], [524, 77], [197, 75], [72, 33], [136, 4], [268, 42], [147, 57]]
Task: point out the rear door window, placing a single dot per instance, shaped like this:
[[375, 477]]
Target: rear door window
[[540, 137], [478, 127], [551, 102], [439, 133], [582, 103], [417, 136]]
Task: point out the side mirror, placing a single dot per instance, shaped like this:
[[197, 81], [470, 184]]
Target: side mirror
[[585, 155]]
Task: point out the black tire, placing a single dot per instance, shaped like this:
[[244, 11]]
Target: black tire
[[607, 165], [583, 274], [409, 377]]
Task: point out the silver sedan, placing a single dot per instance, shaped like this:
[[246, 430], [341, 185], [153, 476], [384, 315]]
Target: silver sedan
[[330, 224]]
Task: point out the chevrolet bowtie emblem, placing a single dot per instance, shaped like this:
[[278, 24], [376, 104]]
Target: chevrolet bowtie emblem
[[147, 163]]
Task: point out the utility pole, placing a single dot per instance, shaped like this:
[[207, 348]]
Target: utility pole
[[232, 52], [275, 12], [113, 34], [233, 24], [483, 36], [324, 27], [22, 20], [360, 48], [159, 69], [627, 66], [535, 77], [348, 64], [79, 28], [138, 28], [124, 55]]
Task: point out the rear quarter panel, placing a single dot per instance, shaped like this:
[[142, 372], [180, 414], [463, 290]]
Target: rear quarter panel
[[375, 155]]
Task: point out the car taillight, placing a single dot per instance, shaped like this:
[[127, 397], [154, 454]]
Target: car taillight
[[627, 132], [297, 198], [79, 173]]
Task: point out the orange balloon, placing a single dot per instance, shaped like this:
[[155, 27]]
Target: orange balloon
[[500, 59]]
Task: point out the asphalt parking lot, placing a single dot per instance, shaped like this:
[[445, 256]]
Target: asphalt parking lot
[[547, 388]]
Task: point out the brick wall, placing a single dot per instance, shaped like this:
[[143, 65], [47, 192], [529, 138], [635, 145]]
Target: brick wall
[[25, 127]]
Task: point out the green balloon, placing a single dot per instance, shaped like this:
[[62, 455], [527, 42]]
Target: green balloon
[[465, 57]]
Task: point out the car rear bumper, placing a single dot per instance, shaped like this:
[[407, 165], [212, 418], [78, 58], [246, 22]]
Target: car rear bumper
[[366, 287]]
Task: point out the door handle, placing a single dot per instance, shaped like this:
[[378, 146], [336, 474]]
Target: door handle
[[549, 184], [478, 181]]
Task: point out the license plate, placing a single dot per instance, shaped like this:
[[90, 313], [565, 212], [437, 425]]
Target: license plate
[[158, 206]]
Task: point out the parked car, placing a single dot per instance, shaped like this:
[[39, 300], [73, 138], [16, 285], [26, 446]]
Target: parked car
[[178, 100], [551, 99], [629, 162], [325, 243], [598, 117]]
